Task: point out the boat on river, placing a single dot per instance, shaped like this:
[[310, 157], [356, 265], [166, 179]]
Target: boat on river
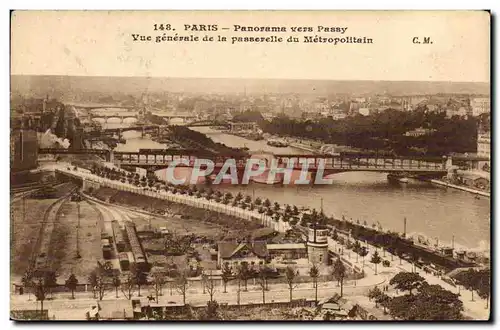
[[277, 143], [263, 179]]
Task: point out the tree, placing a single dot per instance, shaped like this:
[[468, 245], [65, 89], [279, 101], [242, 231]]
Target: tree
[[71, 284], [258, 201], [50, 281], [374, 293], [383, 300], [159, 281], [244, 273], [314, 273], [227, 275], [40, 294], [27, 281], [127, 285], [115, 281], [263, 275], [291, 275], [406, 281], [414, 260], [211, 312], [140, 277], [469, 279], [181, 284], [431, 302], [375, 260], [211, 286], [357, 248], [267, 203], [339, 272]]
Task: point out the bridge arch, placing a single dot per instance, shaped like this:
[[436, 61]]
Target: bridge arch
[[177, 121]]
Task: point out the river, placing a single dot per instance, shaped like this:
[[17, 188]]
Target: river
[[435, 212]]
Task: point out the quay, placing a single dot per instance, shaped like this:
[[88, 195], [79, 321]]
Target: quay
[[450, 185]]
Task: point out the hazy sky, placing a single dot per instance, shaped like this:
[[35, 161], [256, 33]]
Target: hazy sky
[[101, 44]]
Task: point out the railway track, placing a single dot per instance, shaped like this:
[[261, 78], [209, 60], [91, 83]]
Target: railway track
[[99, 213], [40, 258], [26, 192]]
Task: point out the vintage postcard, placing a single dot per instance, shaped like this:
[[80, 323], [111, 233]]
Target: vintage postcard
[[250, 165]]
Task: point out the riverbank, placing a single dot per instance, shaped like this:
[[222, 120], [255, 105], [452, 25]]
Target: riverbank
[[454, 186], [304, 147]]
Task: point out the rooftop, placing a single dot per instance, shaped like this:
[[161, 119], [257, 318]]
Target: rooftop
[[230, 249], [286, 246]]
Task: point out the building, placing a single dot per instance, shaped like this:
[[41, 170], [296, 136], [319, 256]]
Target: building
[[253, 253], [480, 105], [338, 116], [243, 126], [287, 251], [420, 132], [364, 111], [417, 100], [317, 244], [484, 147], [23, 150], [258, 252], [474, 179]]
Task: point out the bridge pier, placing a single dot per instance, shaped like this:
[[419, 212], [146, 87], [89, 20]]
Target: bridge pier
[[449, 167]]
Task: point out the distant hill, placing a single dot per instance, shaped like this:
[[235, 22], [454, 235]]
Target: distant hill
[[67, 86]]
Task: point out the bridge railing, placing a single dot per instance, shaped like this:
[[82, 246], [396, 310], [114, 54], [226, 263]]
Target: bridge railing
[[165, 157]]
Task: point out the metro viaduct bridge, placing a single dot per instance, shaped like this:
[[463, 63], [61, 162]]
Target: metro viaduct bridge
[[155, 159]]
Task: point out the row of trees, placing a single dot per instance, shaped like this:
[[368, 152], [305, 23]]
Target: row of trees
[[419, 301], [476, 280], [193, 139], [274, 210], [381, 131]]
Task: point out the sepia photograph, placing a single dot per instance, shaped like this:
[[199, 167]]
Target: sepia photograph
[[329, 166]]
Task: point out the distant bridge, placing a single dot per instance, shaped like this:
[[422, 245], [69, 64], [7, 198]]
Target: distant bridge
[[116, 116], [152, 129], [94, 106], [230, 125], [171, 115], [209, 123]]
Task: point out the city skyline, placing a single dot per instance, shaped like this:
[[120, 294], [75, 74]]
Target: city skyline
[[60, 84]]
